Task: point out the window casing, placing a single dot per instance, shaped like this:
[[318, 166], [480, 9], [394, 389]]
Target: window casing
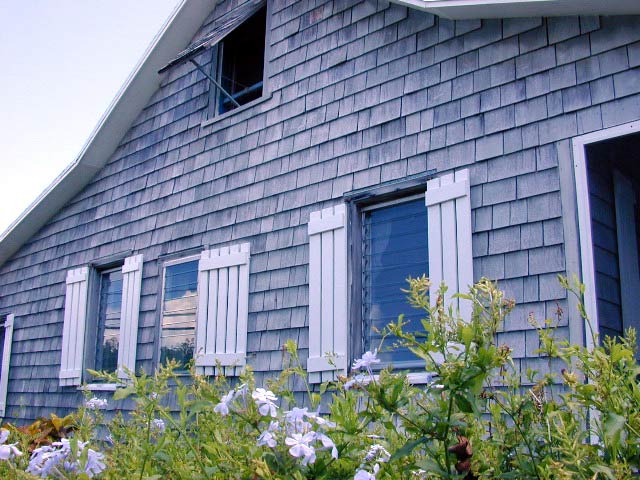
[[238, 66], [178, 310], [6, 341], [394, 247], [109, 312]]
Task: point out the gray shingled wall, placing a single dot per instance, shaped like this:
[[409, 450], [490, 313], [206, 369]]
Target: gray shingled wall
[[362, 92]]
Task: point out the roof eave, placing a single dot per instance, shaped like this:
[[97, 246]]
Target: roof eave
[[128, 103], [473, 9]]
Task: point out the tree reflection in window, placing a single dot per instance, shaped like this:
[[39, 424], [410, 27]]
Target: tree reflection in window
[[180, 299]]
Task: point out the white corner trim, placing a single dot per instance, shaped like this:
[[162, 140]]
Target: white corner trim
[[579, 145]]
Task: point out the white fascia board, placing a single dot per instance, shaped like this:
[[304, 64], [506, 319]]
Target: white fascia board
[[469, 9], [134, 95]]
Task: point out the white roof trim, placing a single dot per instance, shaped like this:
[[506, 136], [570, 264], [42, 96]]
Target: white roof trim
[[467, 9], [134, 95]]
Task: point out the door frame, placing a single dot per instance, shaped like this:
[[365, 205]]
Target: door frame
[[579, 145]]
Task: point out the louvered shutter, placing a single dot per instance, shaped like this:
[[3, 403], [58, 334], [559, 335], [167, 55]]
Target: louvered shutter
[[130, 312], [223, 304], [73, 332], [327, 294], [450, 254], [6, 359]]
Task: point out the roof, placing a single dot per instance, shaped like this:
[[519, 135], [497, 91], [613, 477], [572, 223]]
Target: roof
[[174, 37]]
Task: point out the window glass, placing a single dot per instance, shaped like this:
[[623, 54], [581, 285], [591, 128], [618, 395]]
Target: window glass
[[241, 62], [108, 335], [179, 304], [395, 247]]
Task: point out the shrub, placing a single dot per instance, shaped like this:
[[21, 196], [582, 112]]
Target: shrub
[[479, 416]]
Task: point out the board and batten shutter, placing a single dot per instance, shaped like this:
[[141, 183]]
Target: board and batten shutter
[[73, 331], [448, 201], [328, 316], [129, 314], [223, 306], [6, 359]]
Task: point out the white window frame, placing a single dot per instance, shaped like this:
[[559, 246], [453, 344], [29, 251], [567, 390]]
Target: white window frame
[[579, 146], [80, 313]]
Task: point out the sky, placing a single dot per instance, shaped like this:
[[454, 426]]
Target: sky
[[61, 64]]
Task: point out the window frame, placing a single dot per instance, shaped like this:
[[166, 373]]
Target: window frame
[[93, 314], [7, 324], [357, 204], [215, 71], [168, 263]]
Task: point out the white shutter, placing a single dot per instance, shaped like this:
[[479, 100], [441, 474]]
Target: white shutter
[[450, 254], [223, 305], [327, 294], [73, 332], [6, 358], [131, 285]]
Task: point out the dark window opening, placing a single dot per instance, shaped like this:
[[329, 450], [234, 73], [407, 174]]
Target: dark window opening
[[108, 327], [394, 247], [240, 64]]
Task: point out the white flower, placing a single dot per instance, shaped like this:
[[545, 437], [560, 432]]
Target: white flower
[[300, 447], [223, 407], [377, 452], [267, 437], [96, 403], [158, 425], [48, 459], [296, 419], [264, 400], [327, 443], [10, 450], [364, 475], [367, 360]]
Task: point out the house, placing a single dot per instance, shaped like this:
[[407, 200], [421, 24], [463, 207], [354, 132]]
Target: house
[[274, 170]]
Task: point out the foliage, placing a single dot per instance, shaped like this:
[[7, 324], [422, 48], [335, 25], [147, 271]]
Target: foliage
[[479, 416]]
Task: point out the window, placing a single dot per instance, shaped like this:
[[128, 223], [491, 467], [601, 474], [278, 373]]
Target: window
[[205, 310], [395, 231], [100, 329], [108, 327], [6, 338], [394, 247], [238, 64], [179, 303]]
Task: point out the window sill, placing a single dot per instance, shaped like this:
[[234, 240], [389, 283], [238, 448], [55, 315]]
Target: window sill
[[211, 122], [415, 378], [100, 387]]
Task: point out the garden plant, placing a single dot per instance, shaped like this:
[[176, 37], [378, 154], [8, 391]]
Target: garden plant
[[479, 416]]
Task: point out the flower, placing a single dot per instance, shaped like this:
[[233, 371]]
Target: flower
[[264, 400], [158, 425], [367, 360], [96, 403], [223, 407], [50, 458], [377, 452], [327, 443], [300, 447], [364, 475], [267, 437], [10, 450]]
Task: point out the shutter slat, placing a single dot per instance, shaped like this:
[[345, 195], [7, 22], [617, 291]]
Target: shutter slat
[[327, 294], [450, 248], [6, 361], [223, 309], [130, 313], [73, 330]]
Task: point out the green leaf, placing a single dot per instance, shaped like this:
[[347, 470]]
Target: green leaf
[[431, 466], [466, 334], [604, 470], [613, 425], [463, 404], [407, 448], [122, 393]]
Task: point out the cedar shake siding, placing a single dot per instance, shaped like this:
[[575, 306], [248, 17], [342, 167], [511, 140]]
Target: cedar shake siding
[[358, 93]]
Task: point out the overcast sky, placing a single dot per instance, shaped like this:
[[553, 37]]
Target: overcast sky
[[61, 64]]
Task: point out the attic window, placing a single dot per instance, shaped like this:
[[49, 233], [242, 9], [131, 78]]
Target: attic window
[[238, 65]]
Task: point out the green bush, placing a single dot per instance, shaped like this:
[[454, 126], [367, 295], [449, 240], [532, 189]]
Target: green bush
[[478, 417]]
